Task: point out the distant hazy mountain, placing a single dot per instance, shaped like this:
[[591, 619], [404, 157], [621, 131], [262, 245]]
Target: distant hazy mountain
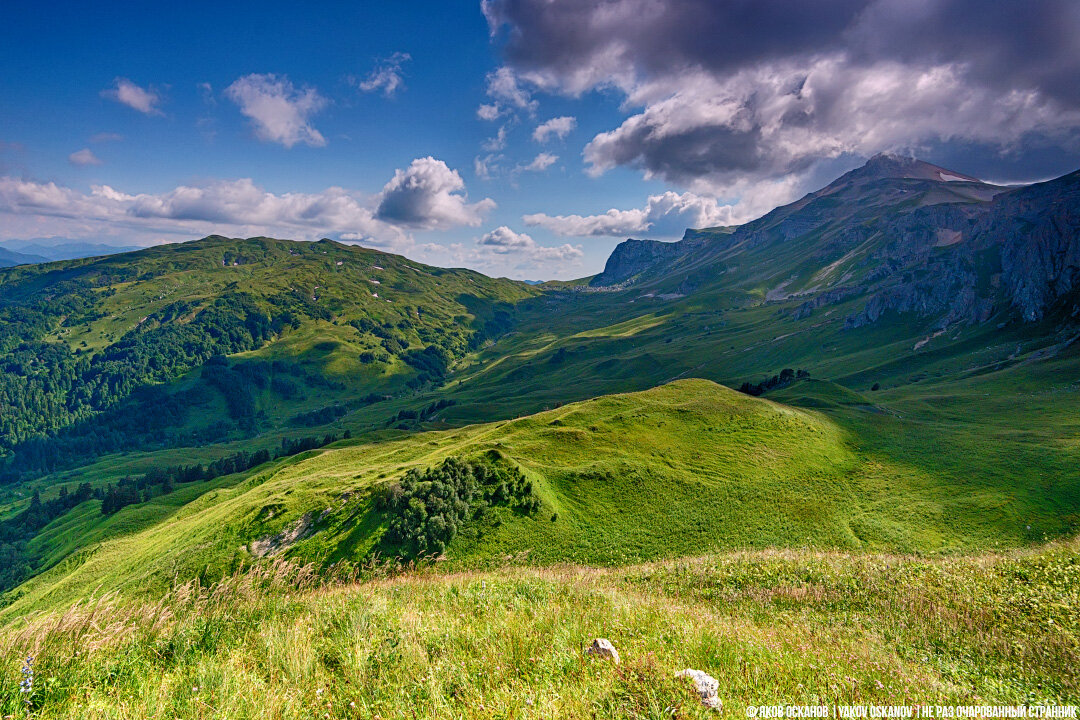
[[10, 258], [46, 251]]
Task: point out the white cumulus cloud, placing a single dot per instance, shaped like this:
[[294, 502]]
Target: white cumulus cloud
[[128, 93], [497, 143], [234, 206], [387, 75], [84, 157], [558, 127], [503, 86], [487, 166], [508, 94], [488, 111], [504, 241], [278, 111], [541, 162], [665, 215], [429, 195]]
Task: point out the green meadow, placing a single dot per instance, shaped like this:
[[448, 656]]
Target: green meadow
[[773, 627]]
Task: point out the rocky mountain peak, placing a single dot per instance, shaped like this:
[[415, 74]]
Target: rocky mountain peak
[[893, 166]]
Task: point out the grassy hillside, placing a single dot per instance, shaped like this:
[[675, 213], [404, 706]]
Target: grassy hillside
[[201, 353], [682, 469], [774, 628], [305, 323]]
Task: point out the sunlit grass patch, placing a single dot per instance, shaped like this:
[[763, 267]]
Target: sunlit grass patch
[[772, 627]]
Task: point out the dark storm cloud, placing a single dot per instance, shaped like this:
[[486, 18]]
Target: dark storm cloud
[[750, 89], [659, 36], [1030, 44], [695, 152]]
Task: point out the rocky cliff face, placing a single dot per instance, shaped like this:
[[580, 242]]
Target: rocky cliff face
[[1026, 240], [633, 257], [927, 265], [1038, 231]]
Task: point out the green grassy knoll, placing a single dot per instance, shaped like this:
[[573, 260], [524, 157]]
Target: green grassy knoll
[[682, 469]]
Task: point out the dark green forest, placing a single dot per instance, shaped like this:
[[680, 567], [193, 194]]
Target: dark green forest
[[60, 407]]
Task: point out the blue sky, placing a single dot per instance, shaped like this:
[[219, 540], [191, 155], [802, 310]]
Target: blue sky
[[380, 122]]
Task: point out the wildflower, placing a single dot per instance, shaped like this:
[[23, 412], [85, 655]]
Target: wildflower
[[27, 684], [26, 687]]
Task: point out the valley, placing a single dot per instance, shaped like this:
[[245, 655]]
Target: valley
[[540, 360], [192, 413], [300, 350]]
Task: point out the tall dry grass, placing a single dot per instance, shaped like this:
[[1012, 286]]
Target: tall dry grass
[[284, 640]]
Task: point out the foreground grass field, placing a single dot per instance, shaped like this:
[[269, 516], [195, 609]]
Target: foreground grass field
[[773, 627]]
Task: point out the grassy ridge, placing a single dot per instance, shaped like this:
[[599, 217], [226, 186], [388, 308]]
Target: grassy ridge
[[341, 279], [682, 469], [794, 627], [598, 465]]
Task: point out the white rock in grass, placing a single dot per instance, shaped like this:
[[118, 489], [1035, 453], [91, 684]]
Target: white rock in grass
[[706, 686], [602, 647]]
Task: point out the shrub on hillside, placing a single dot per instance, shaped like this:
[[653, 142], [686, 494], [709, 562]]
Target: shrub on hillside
[[785, 378], [428, 509], [424, 413], [322, 416], [432, 360]]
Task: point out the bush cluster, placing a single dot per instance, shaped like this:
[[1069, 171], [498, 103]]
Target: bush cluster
[[785, 378], [428, 508], [322, 416], [422, 414]]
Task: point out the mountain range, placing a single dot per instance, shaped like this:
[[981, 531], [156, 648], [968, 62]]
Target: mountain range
[[188, 409], [10, 258], [44, 250], [905, 236]]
